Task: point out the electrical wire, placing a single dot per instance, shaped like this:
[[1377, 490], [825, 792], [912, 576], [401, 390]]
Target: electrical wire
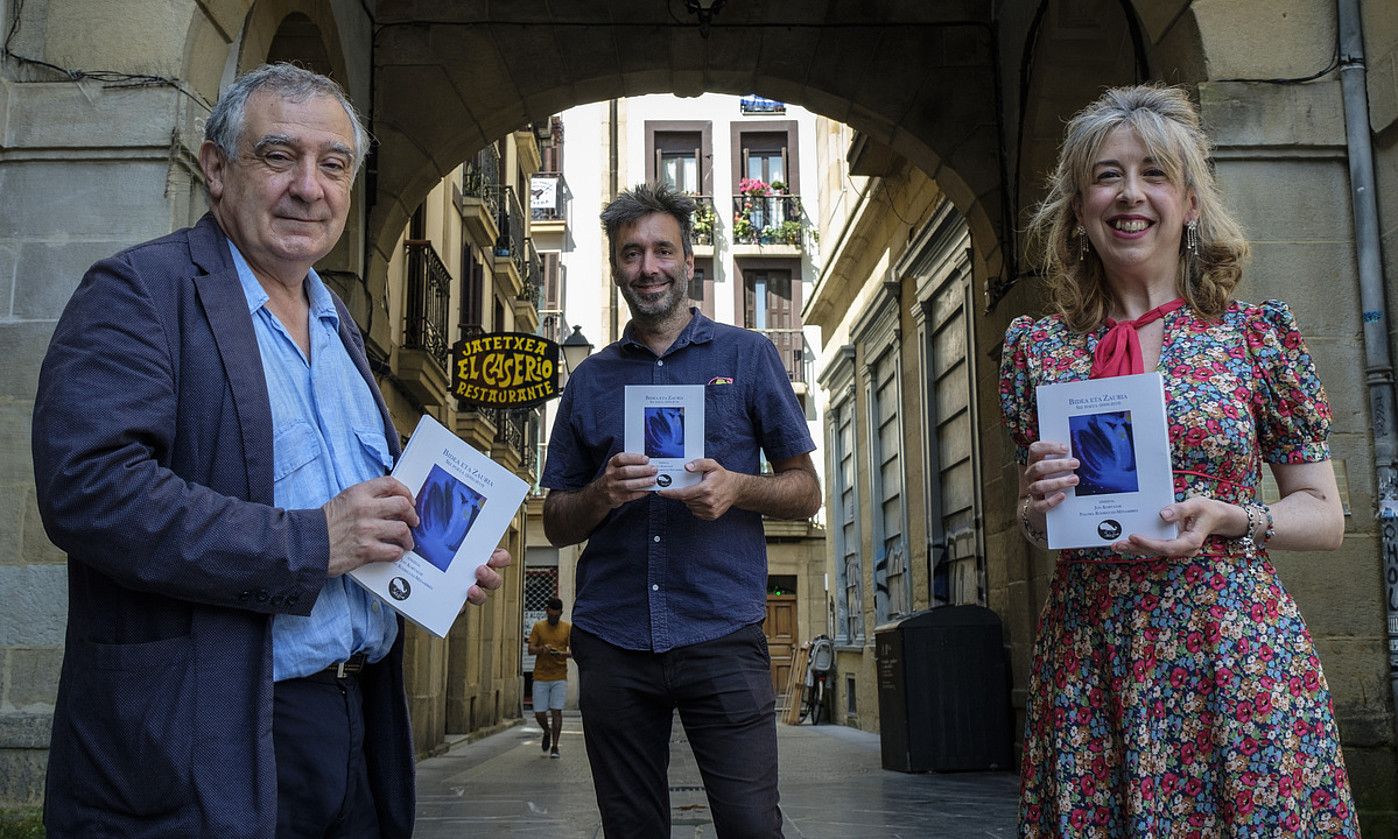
[[1329, 68], [109, 78]]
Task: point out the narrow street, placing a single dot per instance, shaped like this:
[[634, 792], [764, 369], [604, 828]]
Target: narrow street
[[832, 787]]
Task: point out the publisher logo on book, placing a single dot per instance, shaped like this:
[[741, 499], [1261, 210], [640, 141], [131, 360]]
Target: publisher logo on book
[[399, 589], [1109, 529]]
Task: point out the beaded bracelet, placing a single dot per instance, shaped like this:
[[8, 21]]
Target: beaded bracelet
[[1032, 533], [1260, 530]]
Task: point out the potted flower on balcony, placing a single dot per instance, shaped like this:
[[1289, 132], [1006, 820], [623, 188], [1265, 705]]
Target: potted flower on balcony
[[788, 232], [743, 231], [702, 223], [753, 186]]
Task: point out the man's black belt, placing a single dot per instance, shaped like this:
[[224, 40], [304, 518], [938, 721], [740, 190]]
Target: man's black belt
[[345, 669]]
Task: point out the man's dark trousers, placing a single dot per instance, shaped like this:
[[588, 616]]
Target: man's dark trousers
[[323, 788], [723, 691]]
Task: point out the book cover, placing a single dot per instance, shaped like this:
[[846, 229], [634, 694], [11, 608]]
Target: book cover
[[465, 501], [666, 424], [1116, 428]]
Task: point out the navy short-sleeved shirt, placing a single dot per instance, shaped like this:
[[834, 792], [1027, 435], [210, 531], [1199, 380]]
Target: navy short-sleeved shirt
[[654, 577]]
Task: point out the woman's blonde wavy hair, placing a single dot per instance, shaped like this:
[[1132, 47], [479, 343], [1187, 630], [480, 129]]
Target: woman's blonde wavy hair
[[1167, 123]]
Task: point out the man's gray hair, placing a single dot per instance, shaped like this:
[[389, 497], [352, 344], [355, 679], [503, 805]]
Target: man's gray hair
[[224, 127], [642, 200]]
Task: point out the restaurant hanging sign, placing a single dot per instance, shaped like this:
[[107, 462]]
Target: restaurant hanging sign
[[505, 370]]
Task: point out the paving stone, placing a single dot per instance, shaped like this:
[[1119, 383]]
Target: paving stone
[[832, 787]]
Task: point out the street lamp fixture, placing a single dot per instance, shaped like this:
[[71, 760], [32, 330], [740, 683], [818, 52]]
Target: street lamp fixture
[[576, 347]]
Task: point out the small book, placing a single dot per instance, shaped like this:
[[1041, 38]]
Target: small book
[[666, 424], [465, 501], [1116, 428]]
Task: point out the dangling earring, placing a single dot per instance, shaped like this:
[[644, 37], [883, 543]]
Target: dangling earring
[[1191, 238], [1082, 243]]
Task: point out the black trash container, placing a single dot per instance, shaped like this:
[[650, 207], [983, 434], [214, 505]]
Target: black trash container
[[944, 702]]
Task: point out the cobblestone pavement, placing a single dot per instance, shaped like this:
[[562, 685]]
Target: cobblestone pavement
[[832, 787]]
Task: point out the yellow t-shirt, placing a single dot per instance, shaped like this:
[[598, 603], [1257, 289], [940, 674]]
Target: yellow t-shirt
[[550, 668]]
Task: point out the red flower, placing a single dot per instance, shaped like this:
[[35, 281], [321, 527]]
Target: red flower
[[1320, 798], [1248, 746], [1243, 803]]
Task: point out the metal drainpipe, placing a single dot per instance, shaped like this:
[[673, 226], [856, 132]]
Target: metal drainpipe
[[1377, 360]]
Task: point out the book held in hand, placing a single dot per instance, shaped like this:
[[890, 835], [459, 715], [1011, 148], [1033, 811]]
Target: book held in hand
[[464, 501], [1116, 429], [666, 424]]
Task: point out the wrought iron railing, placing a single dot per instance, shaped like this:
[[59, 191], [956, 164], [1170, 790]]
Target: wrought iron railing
[[704, 221], [791, 346], [548, 197], [510, 220], [429, 295], [533, 276], [768, 219], [481, 178], [509, 428]]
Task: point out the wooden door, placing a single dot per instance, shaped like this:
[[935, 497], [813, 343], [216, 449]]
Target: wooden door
[[780, 629]]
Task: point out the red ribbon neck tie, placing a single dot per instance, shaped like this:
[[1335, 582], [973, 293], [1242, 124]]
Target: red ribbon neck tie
[[1119, 351]]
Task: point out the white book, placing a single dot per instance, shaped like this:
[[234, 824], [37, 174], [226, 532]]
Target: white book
[[1116, 428], [465, 501], [666, 424]]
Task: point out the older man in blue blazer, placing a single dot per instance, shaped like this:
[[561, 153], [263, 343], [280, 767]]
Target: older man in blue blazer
[[211, 450]]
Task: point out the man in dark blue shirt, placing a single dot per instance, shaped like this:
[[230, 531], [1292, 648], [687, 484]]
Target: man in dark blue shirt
[[672, 585]]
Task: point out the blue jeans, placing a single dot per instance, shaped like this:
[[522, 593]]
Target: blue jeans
[[723, 691]]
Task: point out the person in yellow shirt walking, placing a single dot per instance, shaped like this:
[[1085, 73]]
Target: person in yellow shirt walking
[[548, 643]]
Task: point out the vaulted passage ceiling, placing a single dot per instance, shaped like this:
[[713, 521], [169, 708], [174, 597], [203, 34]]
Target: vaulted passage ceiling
[[917, 76]]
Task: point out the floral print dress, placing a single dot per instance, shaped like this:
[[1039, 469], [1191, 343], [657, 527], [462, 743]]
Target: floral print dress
[[1183, 697]]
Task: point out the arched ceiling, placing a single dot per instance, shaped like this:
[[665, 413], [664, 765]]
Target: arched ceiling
[[918, 76]]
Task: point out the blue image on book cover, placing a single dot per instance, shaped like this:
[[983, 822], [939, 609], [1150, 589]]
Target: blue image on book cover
[[665, 431], [446, 509], [1105, 447]]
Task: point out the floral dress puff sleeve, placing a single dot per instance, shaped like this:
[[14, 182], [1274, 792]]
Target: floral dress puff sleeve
[[1293, 413], [1017, 401]]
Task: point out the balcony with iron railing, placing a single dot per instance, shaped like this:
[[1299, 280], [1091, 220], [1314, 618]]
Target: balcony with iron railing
[[531, 294], [704, 223], [509, 244], [422, 357], [549, 197], [795, 354], [773, 224], [478, 197]]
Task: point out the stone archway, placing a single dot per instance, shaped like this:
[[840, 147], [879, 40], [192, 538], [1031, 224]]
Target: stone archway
[[916, 78]]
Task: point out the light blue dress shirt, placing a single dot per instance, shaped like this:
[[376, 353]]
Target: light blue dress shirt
[[327, 434]]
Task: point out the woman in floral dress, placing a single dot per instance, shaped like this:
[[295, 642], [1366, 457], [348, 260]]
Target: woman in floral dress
[[1174, 689]]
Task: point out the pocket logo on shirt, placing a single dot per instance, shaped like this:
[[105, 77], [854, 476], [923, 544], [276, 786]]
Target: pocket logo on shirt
[[721, 380]]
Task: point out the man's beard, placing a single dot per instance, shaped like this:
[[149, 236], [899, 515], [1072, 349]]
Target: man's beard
[[672, 299], [554, 621]]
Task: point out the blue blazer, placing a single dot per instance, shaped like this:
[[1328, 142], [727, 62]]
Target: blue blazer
[[152, 443]]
